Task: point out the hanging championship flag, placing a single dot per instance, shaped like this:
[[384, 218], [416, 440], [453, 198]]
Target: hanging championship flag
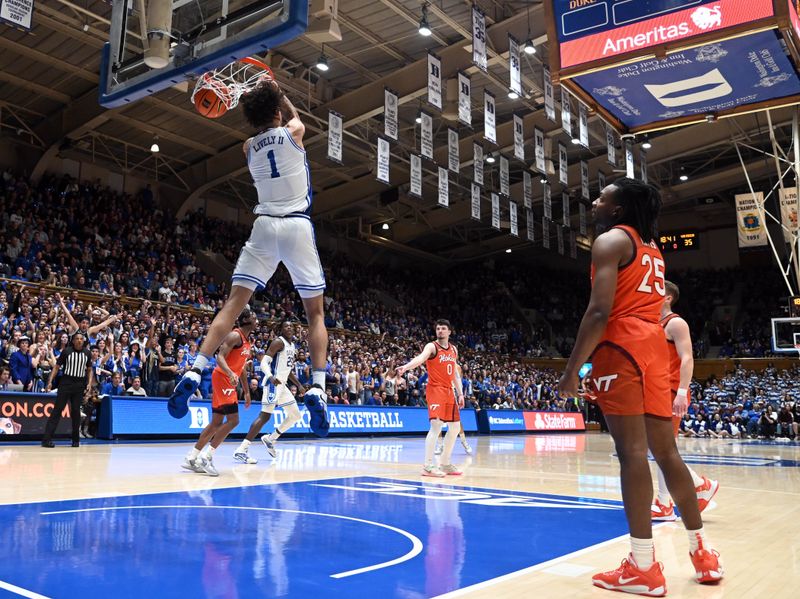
[[512, 212], [496, 211], [444, 188], [476, 202], [750, 219], [548, 200], [434, 80], [489, 130], [464, 99], [504, 186], [583, 124], [549, 98], [389, 113], [545, 232], [335, 137], [514, 66], [789, 206], [611, 148], [452, 150], [527, 190], [530, 225], [629, 166], [566, 112], [477, 163], [519, 138], [18, 13], [538, 136], [426, 135], [560, 239], [601, 181], [573, 245], [563, 165], [416, 176], [643, 164], [383, 160], [565, 209], [585, 180], [582, 213], [479, 39]]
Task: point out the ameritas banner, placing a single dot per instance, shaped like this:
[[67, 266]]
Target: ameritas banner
[[750, 220]]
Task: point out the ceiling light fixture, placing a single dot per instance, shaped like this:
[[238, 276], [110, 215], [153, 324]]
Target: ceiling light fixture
[[424, 28], [646, 145], [512, 95], [418, 120], [154, 148], [322, 61], [490, 159], [385, 226], [684, 176], [508, 251], [529, 48]]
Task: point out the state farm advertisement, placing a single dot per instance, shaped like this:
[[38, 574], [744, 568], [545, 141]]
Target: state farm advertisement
[[516, 420], [595, 29], [27, 414]]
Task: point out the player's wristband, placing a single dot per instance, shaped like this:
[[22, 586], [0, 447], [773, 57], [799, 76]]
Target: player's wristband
[[681, 393]]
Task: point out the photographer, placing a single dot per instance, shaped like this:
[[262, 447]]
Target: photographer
[[768, 423]]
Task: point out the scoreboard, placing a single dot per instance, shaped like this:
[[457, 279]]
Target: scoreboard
[[678, 241]]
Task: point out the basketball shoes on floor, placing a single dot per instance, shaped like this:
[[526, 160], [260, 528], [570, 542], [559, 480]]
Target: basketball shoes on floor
[[207, 464], [270, 445], [706, 492], [662, 513], [432, 470], [467, 447], [451, 470], [628, 578], [244, 458], [707, 566], [192, 465]]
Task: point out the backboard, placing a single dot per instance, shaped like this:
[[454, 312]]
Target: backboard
[[785, 335], [156, 44]]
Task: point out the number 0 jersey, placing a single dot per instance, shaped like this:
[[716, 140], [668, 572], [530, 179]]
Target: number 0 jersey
[[442, 366], [280, 173]]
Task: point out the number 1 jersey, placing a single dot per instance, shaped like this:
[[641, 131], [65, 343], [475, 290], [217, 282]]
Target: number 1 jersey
[[280, 173]]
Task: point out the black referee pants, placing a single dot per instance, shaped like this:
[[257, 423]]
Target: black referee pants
[[67, 393]]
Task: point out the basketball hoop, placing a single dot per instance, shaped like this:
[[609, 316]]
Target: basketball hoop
[[233, 80]]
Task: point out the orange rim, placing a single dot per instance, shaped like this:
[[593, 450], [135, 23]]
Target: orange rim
[[257, 63]]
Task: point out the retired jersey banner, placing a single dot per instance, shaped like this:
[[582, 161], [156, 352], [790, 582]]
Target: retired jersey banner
[[527, 190], [548, 200], [479, 39], [560, 239], [477, 163], [489, 128], [601, 181], [630, 167], [519, 138], [504, 182], [566, 112], [17, 12], [643, 164], [434, 80], [611, 147], [390, 114], [573, 245], [582, 214], [789, 206], [426, 135], [565, 209], [444, 188], [416, 176], [496, 211], [464, 99], [453, 162], [545, 232], [530, 225], [538, 140], [583, 124], [563, 165], [335, 137], [512, 217], [585, 180], [475, 208], [514, 66], [750, 221], [384, 153], [549, 98]]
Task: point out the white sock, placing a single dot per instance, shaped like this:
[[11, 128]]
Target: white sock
[[450, 441], [318, 378], [244, 446], [200, 362], [193, 453], [643, 551], [697, 480], [663, 492], [431, 439], [696, 538], [208, 452]]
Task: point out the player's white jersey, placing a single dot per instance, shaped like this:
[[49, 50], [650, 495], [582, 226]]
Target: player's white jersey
[[282, 365], [280, 173]]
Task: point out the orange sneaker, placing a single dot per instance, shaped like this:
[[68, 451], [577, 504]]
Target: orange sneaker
[[707, 566], [706, 492], [662, 513], [628, 578]]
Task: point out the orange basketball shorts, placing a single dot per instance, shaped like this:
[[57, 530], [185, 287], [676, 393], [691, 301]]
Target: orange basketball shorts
[[442, 404], [630, 369], [223, 393]]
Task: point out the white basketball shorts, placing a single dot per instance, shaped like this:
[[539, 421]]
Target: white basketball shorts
[[273, 240], [275, 396]]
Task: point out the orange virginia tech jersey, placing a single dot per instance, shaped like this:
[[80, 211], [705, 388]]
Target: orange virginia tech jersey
[[442, 367], [640, 283], [238, 356], [674, 359]]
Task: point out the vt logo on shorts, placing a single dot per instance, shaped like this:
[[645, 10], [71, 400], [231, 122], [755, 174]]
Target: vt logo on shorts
[[603, 383]]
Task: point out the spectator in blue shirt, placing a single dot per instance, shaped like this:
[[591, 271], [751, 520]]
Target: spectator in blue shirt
[[21, 365], [114, 386]]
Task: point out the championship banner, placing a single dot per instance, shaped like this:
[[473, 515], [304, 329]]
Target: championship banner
[[514, 66], [583, 124], [416, 176], [582, 215], [573, 245], [611, 148], [538, 136], [479, 39], [549, 98], [789, 205], [566, 112], [453, 162], [444, 188], [389, 113], [530, 225], [563, 165], [512, 211], [383, 160], [601, 180], [477, 163], [475, 208], [527, 190], [464, 99], [545, 232], [547, 201], [749, 218], [560, 239], [496, 211], [335, 137], [504, 184], [585, 180], [630, 168], [426, 135], [434, 80], [519, 138], [489, 129], [643, 165], [18, 13], [565, 209]]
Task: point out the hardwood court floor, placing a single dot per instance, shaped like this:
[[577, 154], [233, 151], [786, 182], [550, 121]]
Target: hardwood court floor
[[531, 516]]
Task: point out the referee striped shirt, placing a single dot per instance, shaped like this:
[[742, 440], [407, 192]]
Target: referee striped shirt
[[73, 364]]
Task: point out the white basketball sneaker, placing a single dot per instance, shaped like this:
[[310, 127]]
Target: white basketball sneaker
[[432, 470], [192, 465], [207, 464], [467, 447], [270, 445], [244, 458], [451, 470]]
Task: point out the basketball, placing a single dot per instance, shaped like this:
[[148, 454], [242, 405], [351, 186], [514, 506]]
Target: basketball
[[209, 104]]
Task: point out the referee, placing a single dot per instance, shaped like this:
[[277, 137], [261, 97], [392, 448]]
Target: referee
[[76, 382]]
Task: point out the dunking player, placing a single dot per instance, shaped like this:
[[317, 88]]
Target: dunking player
[[278, 369], [282, 233], [441, 361], [232, 358], [630, 376], [681, 365]]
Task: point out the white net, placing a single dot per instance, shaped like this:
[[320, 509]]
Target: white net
[[233, 80]]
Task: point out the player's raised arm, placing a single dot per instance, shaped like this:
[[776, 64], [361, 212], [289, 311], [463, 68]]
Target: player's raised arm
[[292, 120], [678, 330], [426, 354]]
